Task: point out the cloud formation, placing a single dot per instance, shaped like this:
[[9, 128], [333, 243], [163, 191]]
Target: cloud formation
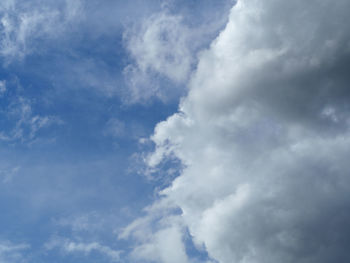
[[24, 25], [12, 252], [22, 124], [69, 246], [164, 46], [264, 138], [160, 46]]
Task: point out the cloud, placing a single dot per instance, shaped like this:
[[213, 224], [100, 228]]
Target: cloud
[[25, 124], [24, 25], [8, 174], [264, 137], [2, 87], [85, 222], [163, 48], [158, 236], [89, 247], [21, 120], [12, 252], [88, 225], [114, 128], [165, 247], [159, 46], [69, 246]]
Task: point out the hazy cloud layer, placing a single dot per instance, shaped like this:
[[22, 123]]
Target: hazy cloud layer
[[264, 137]]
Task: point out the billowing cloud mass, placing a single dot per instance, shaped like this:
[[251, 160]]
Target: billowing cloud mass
[[263, 135]]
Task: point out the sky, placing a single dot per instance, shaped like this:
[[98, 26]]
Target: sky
[[168, 131]]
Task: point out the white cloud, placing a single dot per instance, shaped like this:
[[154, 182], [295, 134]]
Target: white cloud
[[69, 246], [160, 46], [23, 125], [164, 49], [165, 247], [2, 87], [89, 247], [8, 174], [158, 236], [23, 24], [11, 253], [264, 134]]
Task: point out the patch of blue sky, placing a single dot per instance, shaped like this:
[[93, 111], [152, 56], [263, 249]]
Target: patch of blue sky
[[66, 169]]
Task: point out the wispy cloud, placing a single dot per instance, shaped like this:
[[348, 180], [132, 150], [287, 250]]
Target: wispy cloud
[[2, 87], [26, 124], [163, 48], [114, 128], [69, 246], [24, 25], [159, 46], [11, 253], [8, 174]]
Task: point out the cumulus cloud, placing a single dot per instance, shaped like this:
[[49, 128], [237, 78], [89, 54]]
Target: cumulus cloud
[[264, 137], [165, 246], [157, 242]]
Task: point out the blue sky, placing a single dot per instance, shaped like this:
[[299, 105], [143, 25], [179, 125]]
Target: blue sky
[[174, 131], [71, 168]]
